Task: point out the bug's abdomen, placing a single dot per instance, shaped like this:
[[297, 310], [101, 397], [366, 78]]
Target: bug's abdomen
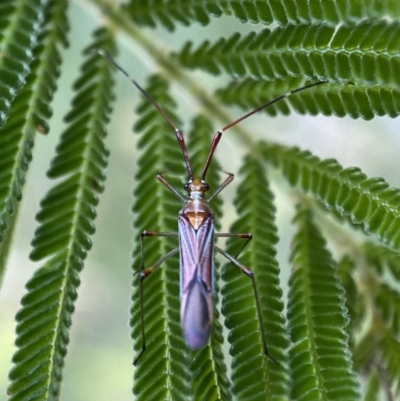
[[196, 261]]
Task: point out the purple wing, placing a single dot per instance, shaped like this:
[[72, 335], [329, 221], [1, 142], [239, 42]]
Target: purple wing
[[196, 262]]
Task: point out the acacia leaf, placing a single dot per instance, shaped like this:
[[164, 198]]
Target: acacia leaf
[[63, 238], [254, 375], [156, 209], [317, 318], [368, 202]]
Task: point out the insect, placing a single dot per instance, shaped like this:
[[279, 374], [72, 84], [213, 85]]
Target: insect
[[196, 239]]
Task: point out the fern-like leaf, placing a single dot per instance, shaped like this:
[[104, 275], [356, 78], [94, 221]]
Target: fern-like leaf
[[356, 101], [254, 376], [156, 209], [368, 202], [319, 358], [20, 23], [29, 113], [366, 53], [209, 380], [169, 12], [66, 224], [351, 45]]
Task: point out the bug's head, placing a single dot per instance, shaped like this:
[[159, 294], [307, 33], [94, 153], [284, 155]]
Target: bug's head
[[196, 188]]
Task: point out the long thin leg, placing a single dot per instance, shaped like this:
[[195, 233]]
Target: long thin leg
[[227, 181], [145, 273], [151, 234], [250, 274], [247, 236], [142, 275]]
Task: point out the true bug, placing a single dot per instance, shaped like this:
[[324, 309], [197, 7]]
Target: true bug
[[196, 239]]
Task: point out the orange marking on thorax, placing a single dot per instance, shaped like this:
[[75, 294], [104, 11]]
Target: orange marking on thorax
[[196, 219]]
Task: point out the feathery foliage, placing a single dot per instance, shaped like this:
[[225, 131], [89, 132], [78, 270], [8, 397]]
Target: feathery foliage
[[164, 356], [63, 237], [208, 367], [338, 100], [256, 211], [29, 112], [168, 13], [360, 54], [20, 23], [28, 115], [319, 358], [343, 318], [368, 202]]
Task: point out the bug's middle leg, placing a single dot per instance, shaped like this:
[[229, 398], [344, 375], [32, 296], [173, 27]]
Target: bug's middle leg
[[148, 233], [144, 273], [247, 236]]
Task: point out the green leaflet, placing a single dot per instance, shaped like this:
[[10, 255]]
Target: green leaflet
[[156, 209], [354, 44], [169, 13], [66, 224], [319, 356], [364, 54], [356, 101], [29, 113], [254, 376], [208, 366], [20, 23], [368, 202]]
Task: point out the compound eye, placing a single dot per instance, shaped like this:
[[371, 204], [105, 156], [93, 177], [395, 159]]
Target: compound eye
[[206, 186], [186, 186]]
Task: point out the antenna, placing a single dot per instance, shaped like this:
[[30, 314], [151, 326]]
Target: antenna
[[218, 135], [178, 132]]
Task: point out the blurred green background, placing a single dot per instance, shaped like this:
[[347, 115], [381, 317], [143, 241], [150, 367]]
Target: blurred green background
[[101, 349]]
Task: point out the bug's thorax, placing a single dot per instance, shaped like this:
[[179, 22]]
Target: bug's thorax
[[196, 209]]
